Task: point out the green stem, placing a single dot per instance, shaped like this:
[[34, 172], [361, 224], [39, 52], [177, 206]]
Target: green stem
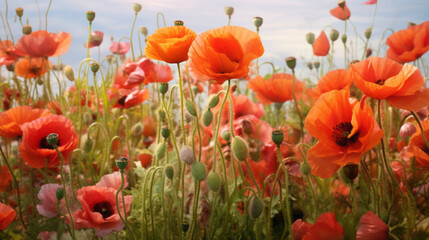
[[218, 124], [131, 37], [123, 204], [288, 216], [421, 128], [181, 104], [46, 15], [301, 121]]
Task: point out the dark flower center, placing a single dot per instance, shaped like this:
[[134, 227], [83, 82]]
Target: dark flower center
[[340, 133], [380, 82], [425, 149], [121, 100], [104, 208], [43, 143]]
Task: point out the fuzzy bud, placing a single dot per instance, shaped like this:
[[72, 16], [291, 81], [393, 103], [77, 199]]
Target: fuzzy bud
[[344, 38], [229, 11], [169, 171], [163, 88], [121, 163], [59, 193], [137, 7], [213, 101], [407, 129], [90, 16], [207, 117], [87, 145], [69, 73], [143, 31], [316, 64], [240, 148], [351, 171], [333, 35], [187, 155], [190, 107], [256, 206], [291, 62], [277, 136], [310, 38], [214, 181], [368, 33], [226, 135], [26, 29], [160, 150], [165, 132], [178, 23], [198, 171], [137, 129], [257, 21], [305, 168], [19, 11]]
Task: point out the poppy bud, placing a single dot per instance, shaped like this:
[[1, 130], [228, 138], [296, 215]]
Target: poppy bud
[[207, 117], [310, 38], [407, 130], [333, 35], [411, 24], [26, 30], [351, 171], [291, 62], [229, 11], [165, 132], [59, 193], [368, 52], [163, 88], [143, 31], [198, 171], [246, 125], [169, 171], [240, 148], [277, 136], [316, 64], [305, 168], [213, 181], [161, 115], [68, 72], [195, 89], [95, 67], [87, 146], [344, 38], [368, 32], [137, 7], [52, 139], [190, 107], [137, 129], [178, 23], [257, 21], [226, 135], [10, 67], [213, 101], [186, 154], [255, 207], [160, 150], [121, 163], [310, 65], [341, 3], [90, 15], [19, 11]]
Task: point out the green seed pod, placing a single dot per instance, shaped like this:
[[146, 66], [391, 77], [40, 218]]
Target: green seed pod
[[121, 163], [52, 139], [257, 21], [87, 146], [305, 168], [26, 29], [351, 171], [207, 117], [169, 171], [368, 33], [137, 7], [226, 135], [344, 38], [291, 62], [333, 35], [198, 171], [229, 11], [95, 67], [310, 38], [160, 150], [165, 132], [190, 107], [178, 23], [19, 11], [255, 207], [163, 87], [240, 148], [277, 136], [213, 101], [59, 193], [214, 181], [90, 16], [317, 64]]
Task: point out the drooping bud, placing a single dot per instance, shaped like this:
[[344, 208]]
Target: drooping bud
[[256, 206], [229, 11], [310, 38], [368, 33], [143, 31], [316, 64], [291, 62], [95, 67], [178, 23], [277, 136], [207, 117], [160, 150], [163, 88], [187, 155], [368, 53], [19, 11], [310, 65], [137, 129], [407, 129], [121, 163], [226, 135], [240, 148], [198, 171], [59, 193], [344, 38], [351, 171], [69, 73], [305, 168], [52, 139], [169, 171], [257, 21], [26, 29], [333, 35], [190, 107], [165, 132], [137, 7], [213, 101], [90, 16], [214, 181]]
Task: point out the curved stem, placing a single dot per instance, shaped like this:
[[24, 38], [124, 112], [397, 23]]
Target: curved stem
[[421, 128], [123, 204], [46, 15], [131, 37], [7, 21]]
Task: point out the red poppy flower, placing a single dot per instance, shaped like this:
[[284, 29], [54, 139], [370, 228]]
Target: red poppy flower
[[7, 53], [418, 147], [345, 128], [372, 227], [32, 67], [277, 88], [35, 149], [409, 44], [370, 2], [321, 45], [12, 120], [170, 44], [95, 39], [7, 215], [147, 72], [99, 210], [326, 227], [119, 48], [5, 179], [400, 85], [341, 13], [299, 229], [333, 80], [128, 99], [43, 44], [224, 53]]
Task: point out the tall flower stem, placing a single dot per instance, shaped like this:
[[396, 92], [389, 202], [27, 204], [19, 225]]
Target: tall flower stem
[[181, 104], [131, 37], [301, 120], [288, 216], [218, 123], [123, 219]]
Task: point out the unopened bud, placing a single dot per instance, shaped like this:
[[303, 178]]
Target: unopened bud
[[226, 135], [137, 7], [213, 101], [246, 125], [316, 64], [137, 129], [255, 207], [229, 11], [257, 21], [59, 193], [68, 72], [407, 130], [143, 31], [87, 146], [214, 181], [160, 150], [351, 171], [198, 171], [90, 16], [190, 107], [305, 168], [368, 33], [310, 38], [333, 35], [368, 53], [291, 62], [187, 155], [165, 132], [19, 11], [26, 29], [169, 171], [240, 148], [344, 38], [207, 117]]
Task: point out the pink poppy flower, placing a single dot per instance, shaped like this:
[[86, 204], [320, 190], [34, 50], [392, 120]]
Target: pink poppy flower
[[112, 180], [369, 2], [95, 39], [48, 199], [119, 48]]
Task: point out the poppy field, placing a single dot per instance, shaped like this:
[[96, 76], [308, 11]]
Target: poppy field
[[182, 135]]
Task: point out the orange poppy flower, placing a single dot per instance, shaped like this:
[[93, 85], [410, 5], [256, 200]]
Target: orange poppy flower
[[170, 44], [35, 149], [321, 45], [224, 53], [43, 44], [32, 67], [372, 227], [7, 53], [333, 80], [5, 179], [345, 128], [340, 13], [277, 88], [326, 227], [12, 120], [418, 146], [400, 85], [7, 215], [409, 44]]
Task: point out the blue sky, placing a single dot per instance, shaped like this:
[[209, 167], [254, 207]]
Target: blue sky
[[283, 31]]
